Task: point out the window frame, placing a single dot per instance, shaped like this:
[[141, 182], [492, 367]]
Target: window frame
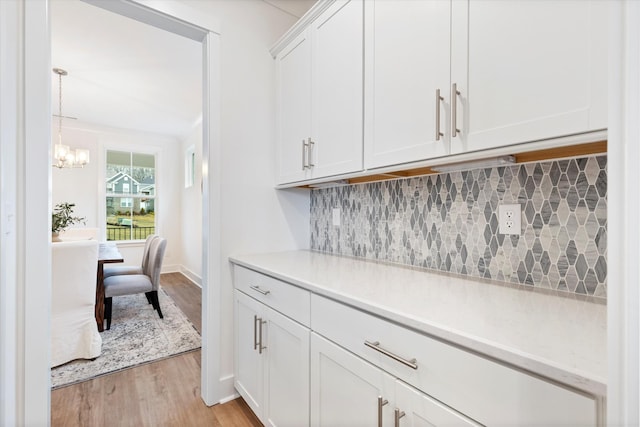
[[103, 194]]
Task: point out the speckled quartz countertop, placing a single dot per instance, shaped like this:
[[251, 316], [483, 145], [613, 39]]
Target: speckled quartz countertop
[[558, 337]]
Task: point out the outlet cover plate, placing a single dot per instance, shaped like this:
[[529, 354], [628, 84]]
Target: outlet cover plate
[[336, 217], [510, 219]]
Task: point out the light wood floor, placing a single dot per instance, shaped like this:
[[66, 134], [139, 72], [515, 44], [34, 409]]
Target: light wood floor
[[163, 393]]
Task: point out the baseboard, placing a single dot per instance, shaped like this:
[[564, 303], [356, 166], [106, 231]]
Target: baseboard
[[171, 268], [227, 390], [197, 280]]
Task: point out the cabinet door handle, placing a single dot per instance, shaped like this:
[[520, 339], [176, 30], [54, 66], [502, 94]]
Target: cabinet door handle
[[454, 110], [376, 346], [304, 154], [398, 414], [310, 144], [255, 332], [262, 291], [260, 346], [438, 99], [381, 403]]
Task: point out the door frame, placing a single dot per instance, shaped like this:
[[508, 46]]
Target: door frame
[[25, 199]]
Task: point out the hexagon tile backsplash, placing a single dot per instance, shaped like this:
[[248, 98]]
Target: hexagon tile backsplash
[[449, 222]]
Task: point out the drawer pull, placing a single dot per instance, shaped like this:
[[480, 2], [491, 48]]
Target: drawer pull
[[255, 332], [454, 110], [438, 100], [381, 403], [260, 346], [398, 414], [376, 346], [262, 291]]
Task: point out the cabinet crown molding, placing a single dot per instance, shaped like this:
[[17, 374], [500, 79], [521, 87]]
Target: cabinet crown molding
[[300, 26]]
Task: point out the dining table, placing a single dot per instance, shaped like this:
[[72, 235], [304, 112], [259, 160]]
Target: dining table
[[107, 253]]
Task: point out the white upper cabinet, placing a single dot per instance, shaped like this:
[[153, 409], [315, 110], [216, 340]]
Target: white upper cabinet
[[293, 71], [527, 70], [337, 90], [320, 90], [371, 84], [407, 65]]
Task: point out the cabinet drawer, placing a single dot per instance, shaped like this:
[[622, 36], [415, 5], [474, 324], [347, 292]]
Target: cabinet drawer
[[488, 392], [287, 299]]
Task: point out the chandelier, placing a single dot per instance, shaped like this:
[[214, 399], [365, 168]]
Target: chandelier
[[63, 155]]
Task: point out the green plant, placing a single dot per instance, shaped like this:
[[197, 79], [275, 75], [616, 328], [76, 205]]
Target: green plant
[[62, 217]]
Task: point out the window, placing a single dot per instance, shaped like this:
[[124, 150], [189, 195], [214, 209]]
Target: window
[[131, 174], [189, 166]]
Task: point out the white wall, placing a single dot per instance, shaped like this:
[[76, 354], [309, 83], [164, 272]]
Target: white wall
[[85, 187], [191, 206], [254, 216]]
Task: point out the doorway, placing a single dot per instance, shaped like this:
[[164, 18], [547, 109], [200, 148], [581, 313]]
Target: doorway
[[179, 22]]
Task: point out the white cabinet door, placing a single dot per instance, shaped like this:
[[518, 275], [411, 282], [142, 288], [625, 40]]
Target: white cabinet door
[[272, 363], [407, 61], [249, 366], [527, 70], [345, 389], [287, 371], [293, 71], [337, 89], [419, 410]]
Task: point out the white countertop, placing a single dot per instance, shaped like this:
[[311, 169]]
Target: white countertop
[[559, 337]]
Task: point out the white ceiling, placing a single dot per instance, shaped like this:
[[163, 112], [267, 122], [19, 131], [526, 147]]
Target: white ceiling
[[126, 74]]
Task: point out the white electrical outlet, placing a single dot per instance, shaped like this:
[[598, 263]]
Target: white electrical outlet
[[336, 217], [509, 219]]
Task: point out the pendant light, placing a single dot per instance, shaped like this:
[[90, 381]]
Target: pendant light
[[63, 155]]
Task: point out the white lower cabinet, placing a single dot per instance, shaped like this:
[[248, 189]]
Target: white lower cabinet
[[488, 392], [345, 390], [416, 409], [348, 391], [272, 363], [335, 365]]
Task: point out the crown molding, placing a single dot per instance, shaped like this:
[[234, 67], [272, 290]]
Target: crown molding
[[300, 26]]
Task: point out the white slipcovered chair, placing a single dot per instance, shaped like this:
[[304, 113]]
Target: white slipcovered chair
[[74, 332], [147, 283]]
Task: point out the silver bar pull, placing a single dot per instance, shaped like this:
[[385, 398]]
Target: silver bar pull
[[398, 414], [376, 346], [310, 144], [255, 332], [260, 346], [381, 403], [305, 147], [262, 291], [454, 110], [438, 99]]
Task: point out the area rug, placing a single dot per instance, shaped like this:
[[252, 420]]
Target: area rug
[[137, 336]]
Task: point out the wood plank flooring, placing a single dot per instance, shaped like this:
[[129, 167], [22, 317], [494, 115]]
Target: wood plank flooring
[[163, 393]]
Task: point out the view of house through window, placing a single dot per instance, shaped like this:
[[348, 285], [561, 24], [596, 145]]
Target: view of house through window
[[130, 195]]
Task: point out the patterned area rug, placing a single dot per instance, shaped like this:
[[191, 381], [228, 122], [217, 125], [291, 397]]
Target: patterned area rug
[[137, 336]]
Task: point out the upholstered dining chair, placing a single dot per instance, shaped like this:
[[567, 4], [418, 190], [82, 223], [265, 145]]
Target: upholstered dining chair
[[114, 270], [147, 283]]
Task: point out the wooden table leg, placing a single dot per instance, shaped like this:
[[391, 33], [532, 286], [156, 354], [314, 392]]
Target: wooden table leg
[[100, 297]]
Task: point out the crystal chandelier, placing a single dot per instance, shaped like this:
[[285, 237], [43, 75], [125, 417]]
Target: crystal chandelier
[[63, 155]]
